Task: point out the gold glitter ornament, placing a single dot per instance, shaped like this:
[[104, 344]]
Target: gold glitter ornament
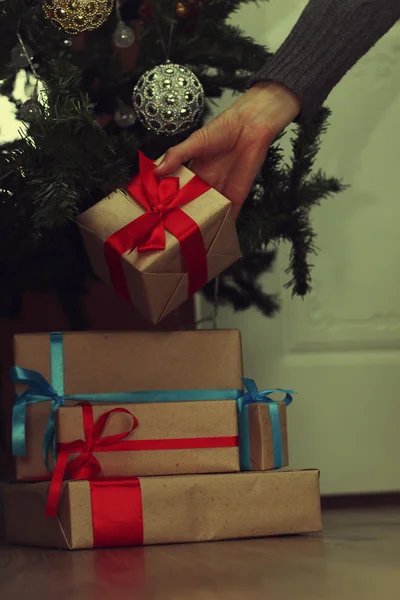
[[75, 16], [182, 10], [169, 99]]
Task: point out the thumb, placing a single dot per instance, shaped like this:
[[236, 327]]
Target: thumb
[[193, 147]]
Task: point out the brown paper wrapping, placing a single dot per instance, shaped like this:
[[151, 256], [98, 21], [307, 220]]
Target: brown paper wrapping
[[261, 443], [96, 362], [161, 421], [192, 508], [157, 281]]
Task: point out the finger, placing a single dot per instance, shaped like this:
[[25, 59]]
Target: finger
[[218, 173], [241, 179], [212, 172], [191, 148]]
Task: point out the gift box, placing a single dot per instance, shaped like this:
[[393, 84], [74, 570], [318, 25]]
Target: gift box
[[56, 370], [161, 438], [158, 242], [160, 510], [171, 438]]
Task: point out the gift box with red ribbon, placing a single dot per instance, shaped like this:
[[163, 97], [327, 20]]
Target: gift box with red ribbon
[[158, 242], [169, 438], [146, 439], [188, 367], [156, 510]]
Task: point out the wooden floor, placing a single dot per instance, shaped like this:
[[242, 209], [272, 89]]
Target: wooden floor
[[357, 558]]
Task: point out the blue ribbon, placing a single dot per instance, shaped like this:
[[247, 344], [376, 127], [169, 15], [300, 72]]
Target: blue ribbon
[[39, 390], [253, 395]]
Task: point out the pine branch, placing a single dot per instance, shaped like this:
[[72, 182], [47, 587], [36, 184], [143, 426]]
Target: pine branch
[[65, 162], [305, 147], [302, 239]]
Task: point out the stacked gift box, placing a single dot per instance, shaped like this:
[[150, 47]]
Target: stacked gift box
[[142, 438]]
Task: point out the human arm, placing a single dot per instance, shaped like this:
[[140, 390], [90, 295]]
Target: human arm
[[329, 38]]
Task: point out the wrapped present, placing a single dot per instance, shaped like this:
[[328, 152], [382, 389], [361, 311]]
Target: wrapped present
[[162, 438], [160, 241], [65, 369], [262, 428], [158, 510], [154, 438]]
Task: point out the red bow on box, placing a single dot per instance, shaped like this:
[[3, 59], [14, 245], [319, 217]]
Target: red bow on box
[[162, 200], [86, 465]]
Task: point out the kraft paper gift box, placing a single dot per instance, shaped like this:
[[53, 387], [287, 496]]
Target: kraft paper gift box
[[163, 241], [161, 510], [171, 438], [102, 366], [161, 438]]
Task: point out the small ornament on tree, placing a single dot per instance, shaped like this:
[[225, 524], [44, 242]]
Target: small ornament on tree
[[123, 36], [169, 99], [30, 110], [67, 42], [75, 16], [124, 116], [182, 10]]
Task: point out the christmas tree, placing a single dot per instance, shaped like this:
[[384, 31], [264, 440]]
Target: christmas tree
[[82, 60]]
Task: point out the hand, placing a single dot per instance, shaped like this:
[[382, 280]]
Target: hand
[[229, 151]]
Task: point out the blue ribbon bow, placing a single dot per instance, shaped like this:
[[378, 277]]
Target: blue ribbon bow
[[253, 395], [40, 390]]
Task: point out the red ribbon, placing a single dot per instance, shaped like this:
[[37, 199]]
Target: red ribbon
[[117, 513], [86, 465], [161, 200]]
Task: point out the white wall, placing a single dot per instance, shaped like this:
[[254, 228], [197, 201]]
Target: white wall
[[339, 348]]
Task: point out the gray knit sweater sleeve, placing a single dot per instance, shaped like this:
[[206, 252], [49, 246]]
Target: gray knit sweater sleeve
[[328, 39]]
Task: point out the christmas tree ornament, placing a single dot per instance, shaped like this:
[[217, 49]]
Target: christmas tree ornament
[[21, 55], [123, 36], [124, 116], [182, 10], [75, 16], [30, 110], [169, 99]]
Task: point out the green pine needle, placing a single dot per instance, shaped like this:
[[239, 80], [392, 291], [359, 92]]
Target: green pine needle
[[65, 161]]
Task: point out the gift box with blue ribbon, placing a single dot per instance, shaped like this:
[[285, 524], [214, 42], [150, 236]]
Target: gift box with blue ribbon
[[109, 370]]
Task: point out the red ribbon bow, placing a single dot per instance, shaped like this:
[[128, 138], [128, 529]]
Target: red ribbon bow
[[162, 201], [85, 465]]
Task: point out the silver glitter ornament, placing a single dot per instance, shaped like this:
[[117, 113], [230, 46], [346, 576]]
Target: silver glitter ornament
[[169, 99], [123, 36], [125, 116], [20, 57]]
